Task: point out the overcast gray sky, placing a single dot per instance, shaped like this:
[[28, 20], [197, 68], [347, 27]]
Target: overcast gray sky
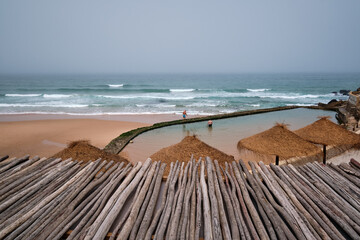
[[179, 36]]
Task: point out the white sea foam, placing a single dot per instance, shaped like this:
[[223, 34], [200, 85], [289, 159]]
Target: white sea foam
[[258, 90], [43, 105], [202, 104], [148, 97], [293, 96], [22, 95], [56, 95], [182, 90], [115, 85]]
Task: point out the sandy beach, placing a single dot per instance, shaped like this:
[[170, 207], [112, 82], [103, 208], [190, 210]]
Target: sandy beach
[[47, 137]]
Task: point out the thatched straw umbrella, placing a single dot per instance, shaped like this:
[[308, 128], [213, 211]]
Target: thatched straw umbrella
[[278, 141], [189, 146], [325, 132]]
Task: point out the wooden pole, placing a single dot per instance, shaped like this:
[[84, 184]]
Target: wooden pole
[[324, 154], [277, 160]]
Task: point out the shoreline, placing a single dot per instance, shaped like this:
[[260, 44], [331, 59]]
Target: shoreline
[[139, 118]]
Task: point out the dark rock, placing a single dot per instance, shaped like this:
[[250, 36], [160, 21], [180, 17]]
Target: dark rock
[[332, 101], [335, 93], [344, 92]]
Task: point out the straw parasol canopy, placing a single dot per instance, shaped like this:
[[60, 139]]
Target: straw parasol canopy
[[83, 151], [189, 146], [278, 141], [325, 132]]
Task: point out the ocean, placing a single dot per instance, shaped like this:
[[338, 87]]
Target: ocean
[[199, 94]]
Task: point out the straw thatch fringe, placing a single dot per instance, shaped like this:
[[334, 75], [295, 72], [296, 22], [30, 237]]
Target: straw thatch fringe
[[45, 198]]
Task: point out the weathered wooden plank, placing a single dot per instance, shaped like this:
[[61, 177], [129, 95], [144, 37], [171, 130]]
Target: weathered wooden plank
[[332, 211], [208, 232], [13, 163], [163, 198], [101, 232], [244, 231], [83, 227], [26, 216], [249, 204], [319, 221], [126, 230], [19, 167], [160, 232], [76, 213]]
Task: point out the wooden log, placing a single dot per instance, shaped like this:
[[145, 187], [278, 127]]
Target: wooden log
[[112, 201], [355, 163], [354, 180], [173, 227], [21, 207], [301, 212], [167, 199], [39, 219], [77, 212], [229, 207], [23, 181], [101, 194], [7, 161], [198, 209], [279, 209], [158, 213], [208, 232], [83, 226], [13, 163], [343, 179], [160, 232], [81, 189], [348, 169], [101, 232], [332, 211], [192, 221], [4, 158], [177, 193], [291, 216], [126, 230], [144, 206], [216, 225], [187, 206], [39, 164], [266, 211], [329, 196], [250, 206], [36, 220], [41, 204], [239, 205], [184, 217], [55, 217], [29, 191], [268, 203], [340, 192], [19, 167], [149, 210], [128, 210], [320, 223]]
